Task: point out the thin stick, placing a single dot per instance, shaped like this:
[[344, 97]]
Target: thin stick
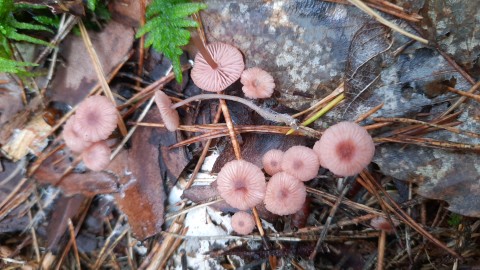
[[384, 21], [320, 113], [381, 249], [100, 74], [204, 153], [74, 242], [231, 129], [413, 121], [265, 113], [467, 94], [203, 50], [369, 113], [333, 210]]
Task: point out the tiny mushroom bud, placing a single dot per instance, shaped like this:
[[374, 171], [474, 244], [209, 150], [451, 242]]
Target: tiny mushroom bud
[[97, 156], [241, 184], [95, 119], [243, 223], [257, 83], [345, 148], [72, 139], [272, 161], [229, 67], [170, 116], [301, 162], [285, 194], [382, 224]]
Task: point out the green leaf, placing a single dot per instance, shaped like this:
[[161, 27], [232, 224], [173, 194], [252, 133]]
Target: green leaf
[[166, 26], [92, 4], [11, 66]]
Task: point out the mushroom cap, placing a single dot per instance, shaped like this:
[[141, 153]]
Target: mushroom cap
[[97, 156], [285, 194], [169, 116], [345, 149], [257, 83], [72, 139], [95, 119], [241, 184], [382, 224], [301, 162], [243, 223], [272, 161], [230, 67]]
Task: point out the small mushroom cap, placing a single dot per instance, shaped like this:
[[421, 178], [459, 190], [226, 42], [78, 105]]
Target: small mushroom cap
[[301, 162], [257, 83], [170, 116], [97, 156], [345, 149], [241, 184], [72, 138], [230, 67], [96, 119], [272, 161], [243, 223], [382, 224], [285, 194]]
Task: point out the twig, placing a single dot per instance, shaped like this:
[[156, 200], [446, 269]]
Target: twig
[[362, 6], [205, 150], [468, 93], [413, 121], [74, 241], [333, 210], [265, 113], [100, 74], [369, 113], [381, 249]]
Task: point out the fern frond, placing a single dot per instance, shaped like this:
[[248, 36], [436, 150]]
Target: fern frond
[[9, 27], [12, 66], [166, 25]]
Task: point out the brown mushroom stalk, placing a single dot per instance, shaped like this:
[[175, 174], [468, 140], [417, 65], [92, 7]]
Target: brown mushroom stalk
[[265, 113], [197, 41]]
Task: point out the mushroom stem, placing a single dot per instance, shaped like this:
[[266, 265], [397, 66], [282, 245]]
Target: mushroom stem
[[203, 50], [265, 113]]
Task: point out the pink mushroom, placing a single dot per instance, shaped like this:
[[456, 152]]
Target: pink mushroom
[[285, 194], [345, 149], [301, 162], [257, 83], [96, 119], [97, 156], [72, 138], [169, 116], [241, 184], [243, 223], [229, 67], [272, 161]]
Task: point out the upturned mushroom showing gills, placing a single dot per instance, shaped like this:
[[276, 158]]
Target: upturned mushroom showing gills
[[345, 149], [226, 69], [170, 116], [241, 184]]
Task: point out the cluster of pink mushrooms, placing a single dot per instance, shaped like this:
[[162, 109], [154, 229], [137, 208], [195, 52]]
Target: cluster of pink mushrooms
[[86, 131], [345, 149]]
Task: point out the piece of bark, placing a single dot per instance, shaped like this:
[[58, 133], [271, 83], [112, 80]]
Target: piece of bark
[[141, 196]]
